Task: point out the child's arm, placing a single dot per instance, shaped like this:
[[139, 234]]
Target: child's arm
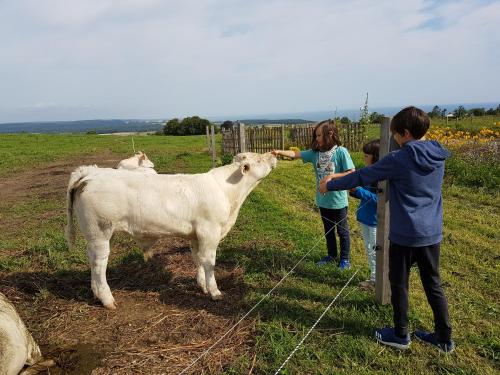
[[288, 153], [334, 176], [381, 170], [365, 194]]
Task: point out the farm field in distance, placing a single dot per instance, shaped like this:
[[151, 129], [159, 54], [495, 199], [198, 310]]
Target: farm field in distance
[[164, 322]]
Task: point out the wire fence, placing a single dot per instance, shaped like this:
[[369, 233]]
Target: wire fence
[[269, 293]]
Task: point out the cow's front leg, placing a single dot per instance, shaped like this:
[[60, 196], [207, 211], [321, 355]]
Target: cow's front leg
[[98, 252], [208, 243], [200, 271]]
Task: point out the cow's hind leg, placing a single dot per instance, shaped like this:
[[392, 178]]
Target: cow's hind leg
[[200, 271], [98, 253], [207, 248], [146, 245]]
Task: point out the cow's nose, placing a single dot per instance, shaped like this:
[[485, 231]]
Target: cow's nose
[[274, 161]]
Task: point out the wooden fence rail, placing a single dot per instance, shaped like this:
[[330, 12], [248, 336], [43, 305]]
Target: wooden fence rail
[[269, 137]]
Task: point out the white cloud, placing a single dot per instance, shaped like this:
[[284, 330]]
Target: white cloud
[[153, 58]]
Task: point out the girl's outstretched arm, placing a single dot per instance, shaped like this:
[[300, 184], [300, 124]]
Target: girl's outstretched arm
[[288, 153]]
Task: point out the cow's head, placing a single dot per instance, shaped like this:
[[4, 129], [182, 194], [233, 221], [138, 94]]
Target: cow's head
[[255, 165], [144, 161]]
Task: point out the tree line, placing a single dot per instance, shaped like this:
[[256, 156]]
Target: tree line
[[461, 112], [196, 125]]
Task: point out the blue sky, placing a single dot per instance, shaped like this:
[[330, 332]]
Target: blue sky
[[85, 59]]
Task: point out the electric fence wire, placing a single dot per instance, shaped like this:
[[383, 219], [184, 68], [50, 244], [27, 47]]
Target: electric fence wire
[[267, 294], [315, 324]]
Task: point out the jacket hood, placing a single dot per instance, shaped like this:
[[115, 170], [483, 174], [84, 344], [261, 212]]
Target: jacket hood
[[427, 155]]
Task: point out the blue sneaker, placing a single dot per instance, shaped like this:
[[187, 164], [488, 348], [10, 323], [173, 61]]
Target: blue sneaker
[[344, 264], [387, 336], [430, 338], [325, 260]]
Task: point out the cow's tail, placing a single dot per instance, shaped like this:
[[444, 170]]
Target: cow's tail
[[76, 180]]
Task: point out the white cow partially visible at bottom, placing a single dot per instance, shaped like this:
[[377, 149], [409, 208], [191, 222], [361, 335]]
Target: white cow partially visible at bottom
[[201, 207], [17, 346]]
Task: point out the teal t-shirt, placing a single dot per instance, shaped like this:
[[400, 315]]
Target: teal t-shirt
[[336, 160]]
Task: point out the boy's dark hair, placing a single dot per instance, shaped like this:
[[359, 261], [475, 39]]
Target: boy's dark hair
[[412, 119], [372, 148], [326, 127]]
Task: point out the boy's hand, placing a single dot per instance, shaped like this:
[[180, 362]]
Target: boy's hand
[[322, 186], [332, 176], [352, 190]]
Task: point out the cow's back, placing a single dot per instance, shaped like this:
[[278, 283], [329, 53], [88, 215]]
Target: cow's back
[[153, 205]]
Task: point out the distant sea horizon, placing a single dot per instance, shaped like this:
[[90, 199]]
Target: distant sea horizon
[[143, 125]]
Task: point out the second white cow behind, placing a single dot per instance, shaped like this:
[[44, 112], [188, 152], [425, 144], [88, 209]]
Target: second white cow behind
[[201, 207], [139, 163]]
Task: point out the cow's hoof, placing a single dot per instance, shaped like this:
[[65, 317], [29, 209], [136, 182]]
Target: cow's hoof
[[111, 306], [217, 297]]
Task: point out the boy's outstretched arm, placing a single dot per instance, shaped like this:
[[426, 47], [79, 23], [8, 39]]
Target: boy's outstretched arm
[[381, 170]]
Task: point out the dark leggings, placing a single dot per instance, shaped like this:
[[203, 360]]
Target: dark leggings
[[332, 217], [401, 259]]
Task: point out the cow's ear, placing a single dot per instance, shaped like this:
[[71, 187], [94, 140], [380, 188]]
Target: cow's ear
[[245, 167]]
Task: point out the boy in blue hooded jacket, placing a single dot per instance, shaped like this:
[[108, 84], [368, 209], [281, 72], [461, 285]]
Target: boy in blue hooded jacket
[[415, 174]]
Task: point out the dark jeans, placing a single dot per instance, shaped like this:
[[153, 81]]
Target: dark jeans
[[332, 217], [401, 259]]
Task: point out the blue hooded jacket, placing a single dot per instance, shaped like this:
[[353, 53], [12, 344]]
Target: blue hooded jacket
[[367, 210], [415, 174]]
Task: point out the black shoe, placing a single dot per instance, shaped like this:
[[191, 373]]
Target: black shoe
[[430, 338], [323, 261], [387, 336]]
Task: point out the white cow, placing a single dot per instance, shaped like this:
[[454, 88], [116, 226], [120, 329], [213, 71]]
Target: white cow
[[17, 346], [200, 207], [138, 162]]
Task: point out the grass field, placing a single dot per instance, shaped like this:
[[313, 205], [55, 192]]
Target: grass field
[[471, 124], [277, 225]]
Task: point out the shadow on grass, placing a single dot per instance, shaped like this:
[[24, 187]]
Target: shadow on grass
[[132, 274]]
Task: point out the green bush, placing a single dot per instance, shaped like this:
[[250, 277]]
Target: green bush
[[226, 159], [188, 126]]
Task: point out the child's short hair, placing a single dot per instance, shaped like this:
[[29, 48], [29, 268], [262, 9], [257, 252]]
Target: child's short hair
[[412, 119], [326, 126], [372, 148]]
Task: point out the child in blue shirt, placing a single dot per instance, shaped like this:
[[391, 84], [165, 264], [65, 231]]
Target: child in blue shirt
[[367, 212], [328, 157], [415, 174]]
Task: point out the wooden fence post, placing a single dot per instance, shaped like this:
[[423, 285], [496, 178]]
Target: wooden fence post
[[212, 144], [382, 286], [208, 138], [241, 130], [282, 137]]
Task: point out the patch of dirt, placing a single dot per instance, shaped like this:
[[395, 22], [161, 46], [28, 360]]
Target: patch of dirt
[[47, 182], [163, 323], [50, 179]]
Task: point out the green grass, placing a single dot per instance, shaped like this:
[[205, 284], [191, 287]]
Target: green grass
[[471, 123], [22, 151], [277, 225]]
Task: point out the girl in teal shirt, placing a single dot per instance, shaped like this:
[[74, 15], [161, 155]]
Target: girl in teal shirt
[[329, 158]]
